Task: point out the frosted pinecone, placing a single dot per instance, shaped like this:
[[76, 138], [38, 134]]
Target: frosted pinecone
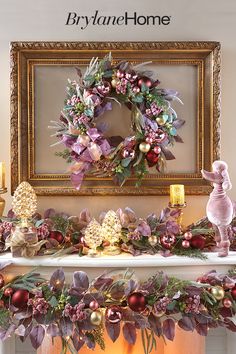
[[39, 305], [111, 227], [161, 305], [75, 313], [192, 304]]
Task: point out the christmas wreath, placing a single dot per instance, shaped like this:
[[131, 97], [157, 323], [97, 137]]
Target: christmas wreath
[[79, 313], [154, 122]]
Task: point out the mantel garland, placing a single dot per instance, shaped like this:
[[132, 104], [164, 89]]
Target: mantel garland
[[79, 313], [60, 234], [154, 122]]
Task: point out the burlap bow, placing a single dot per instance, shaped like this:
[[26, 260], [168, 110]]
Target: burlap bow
[[23, 244]]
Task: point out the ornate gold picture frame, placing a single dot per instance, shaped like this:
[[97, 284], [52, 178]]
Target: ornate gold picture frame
[[38, 79]]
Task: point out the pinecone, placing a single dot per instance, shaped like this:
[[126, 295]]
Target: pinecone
[[111, 227], [93, 236]]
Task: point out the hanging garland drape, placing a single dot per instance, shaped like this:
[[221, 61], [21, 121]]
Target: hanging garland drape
[[117, 303]]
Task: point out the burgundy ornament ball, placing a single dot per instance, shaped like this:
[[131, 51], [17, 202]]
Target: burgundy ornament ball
[[8, 292], [227, 303], [136, 89], [160, 136], [188, 235], [198, 241], [120, 74], [20, 298], [104, 88], [137, 302], [167, 241], [152, 158], [113, 314], [185, 244], [94, 305], [233, 293], [144, 81], [2, 282], [56, 235]]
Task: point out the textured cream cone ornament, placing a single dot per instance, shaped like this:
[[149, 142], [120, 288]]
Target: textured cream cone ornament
[[111, 229], [24, 203], [93, 237]]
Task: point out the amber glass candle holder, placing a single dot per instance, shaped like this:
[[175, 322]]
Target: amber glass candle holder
[[177, 200]]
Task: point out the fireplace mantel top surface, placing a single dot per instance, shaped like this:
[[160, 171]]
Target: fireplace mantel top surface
[[122, 260]]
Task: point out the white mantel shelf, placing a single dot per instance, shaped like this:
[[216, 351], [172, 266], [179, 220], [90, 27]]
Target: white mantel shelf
[[122, 260]]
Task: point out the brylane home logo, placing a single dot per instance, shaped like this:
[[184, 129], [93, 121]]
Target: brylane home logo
[[75, 19]]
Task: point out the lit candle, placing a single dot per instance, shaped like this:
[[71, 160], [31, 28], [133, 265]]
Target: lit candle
[[177, 196], [2, 175]]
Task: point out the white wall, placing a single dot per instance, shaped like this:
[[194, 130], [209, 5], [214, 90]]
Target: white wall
[[44, 20]]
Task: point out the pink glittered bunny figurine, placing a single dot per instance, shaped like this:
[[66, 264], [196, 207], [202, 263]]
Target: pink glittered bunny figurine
[[220, 209]]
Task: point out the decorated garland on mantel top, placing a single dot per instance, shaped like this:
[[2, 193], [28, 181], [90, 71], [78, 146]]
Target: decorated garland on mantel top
[[61, 234], [79, 313], [154, 122]]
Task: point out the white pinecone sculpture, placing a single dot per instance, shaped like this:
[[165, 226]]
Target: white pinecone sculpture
[[111, 227], [93, 234]]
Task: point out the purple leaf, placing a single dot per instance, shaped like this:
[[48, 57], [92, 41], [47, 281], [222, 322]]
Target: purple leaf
[[187, 323], [66, 327], [152, 221], [167, 153], [36, 336], [11, 214], [5, 334], [129, 332], [140, 321], [193, 290], [53, 330], [78, 344], [144, 228], [102, 283], [178, 123], [117, 290], [178, 139], [89, 342], [169, 329], [80, 281], [87, 298], [131, 215], [131, 287], [57, 279], [113, 330], [20, 331], [165, 213], [172, 227], [202, 329], [49, 213], [155, 324]]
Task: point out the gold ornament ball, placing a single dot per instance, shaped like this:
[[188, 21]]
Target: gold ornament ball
[[144, 147], [96, 318], [152, 240], [160, 120], [114, 82], [218, 292]]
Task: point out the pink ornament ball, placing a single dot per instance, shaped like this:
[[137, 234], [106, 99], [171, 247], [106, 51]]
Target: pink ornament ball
[[185, 244]]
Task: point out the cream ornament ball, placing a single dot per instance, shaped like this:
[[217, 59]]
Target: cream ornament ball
[[144, 147]]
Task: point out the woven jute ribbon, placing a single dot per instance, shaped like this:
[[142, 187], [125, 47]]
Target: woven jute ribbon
[[23, 243]]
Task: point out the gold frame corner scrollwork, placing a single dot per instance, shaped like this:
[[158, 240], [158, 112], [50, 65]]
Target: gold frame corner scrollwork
[[205, 55]]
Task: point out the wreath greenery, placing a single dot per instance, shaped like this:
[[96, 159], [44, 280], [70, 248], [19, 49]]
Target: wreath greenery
[[154, 122]]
